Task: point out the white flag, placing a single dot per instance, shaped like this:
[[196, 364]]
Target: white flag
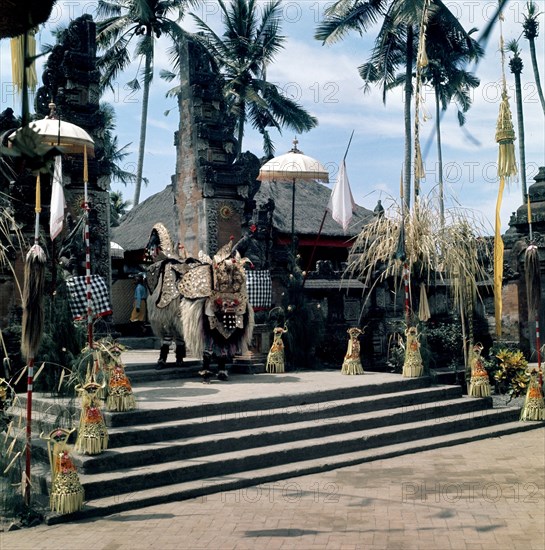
[[56, 215], [341, 203]]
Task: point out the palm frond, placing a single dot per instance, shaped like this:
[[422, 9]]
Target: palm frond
[[456, 252], [344, 17]]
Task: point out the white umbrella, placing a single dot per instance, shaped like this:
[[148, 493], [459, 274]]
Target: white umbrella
[[56, 132], [291, 167], [116, 250]]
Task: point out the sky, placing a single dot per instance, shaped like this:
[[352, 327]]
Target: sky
[[325, 81]]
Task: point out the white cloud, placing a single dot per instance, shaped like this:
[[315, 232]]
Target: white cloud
[[324, 79]]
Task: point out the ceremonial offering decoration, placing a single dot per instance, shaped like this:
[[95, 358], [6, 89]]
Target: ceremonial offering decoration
[[412, 367], [275, 358], [479, 384], [92, 432], [534, 405], [352, 361], [67, 494]]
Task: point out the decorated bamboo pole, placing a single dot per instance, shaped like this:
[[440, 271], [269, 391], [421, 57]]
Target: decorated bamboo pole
[[32, 325], [87, 252], [534, 405], [533, 285], [507, 167], [406, 277]]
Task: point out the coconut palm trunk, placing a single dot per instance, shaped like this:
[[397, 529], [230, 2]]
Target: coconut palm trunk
[[536, 73], [530, 27], [439, 158], [143, 129], [241, 107], [407, 116], [516, 66]]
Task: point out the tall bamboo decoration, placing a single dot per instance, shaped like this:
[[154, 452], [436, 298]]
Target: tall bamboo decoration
[[421, 63], [32, 329], [34, 278], [507, 167], [534, 406], [87, 252]]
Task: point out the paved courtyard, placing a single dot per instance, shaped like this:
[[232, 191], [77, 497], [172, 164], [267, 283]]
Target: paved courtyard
[[481, 495]]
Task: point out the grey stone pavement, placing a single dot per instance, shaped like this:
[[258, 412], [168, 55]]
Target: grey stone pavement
[[488, 494]]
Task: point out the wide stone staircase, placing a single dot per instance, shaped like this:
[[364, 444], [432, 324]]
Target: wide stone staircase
[[187, 439]]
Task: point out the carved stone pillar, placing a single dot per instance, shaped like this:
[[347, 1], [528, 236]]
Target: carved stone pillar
[[211, 189]]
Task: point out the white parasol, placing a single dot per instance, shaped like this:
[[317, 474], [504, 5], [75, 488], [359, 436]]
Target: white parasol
[[291, 167]]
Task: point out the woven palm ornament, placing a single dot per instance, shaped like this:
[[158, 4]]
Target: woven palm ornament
[[412, 367], [534, 405], [479, 384], [352, 360], [67, 493], [119, 390], [275, 357], [92, 432]]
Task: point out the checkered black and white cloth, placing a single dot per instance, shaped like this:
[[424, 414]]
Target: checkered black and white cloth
[[259, 286], [77, 292]]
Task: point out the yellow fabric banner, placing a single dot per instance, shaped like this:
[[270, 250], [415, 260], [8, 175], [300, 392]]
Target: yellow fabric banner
[[498, 260], [18, 62]]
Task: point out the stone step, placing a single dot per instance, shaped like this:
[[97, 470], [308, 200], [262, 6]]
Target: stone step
[[247, 419], [216, 443], [176, 480], [231, 418], [174, 409], [140, 374], [185, 433], [233, 461], [139, 441]]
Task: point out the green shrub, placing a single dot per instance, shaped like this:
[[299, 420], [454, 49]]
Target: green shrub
[[507, 367]]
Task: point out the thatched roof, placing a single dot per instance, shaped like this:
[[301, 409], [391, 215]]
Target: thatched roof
[[134, 229], [311, 199]]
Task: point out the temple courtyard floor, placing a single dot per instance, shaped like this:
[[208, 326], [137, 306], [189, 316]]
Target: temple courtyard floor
[[485, 494]]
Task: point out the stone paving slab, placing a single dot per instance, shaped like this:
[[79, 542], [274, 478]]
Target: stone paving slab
[[487, 494]]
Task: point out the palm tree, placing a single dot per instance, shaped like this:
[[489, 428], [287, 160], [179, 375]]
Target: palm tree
[[516, 66], [530, 28], [109, 155], [118, 207], [450, 81], [395, 46], [248, 44], [140, 22]]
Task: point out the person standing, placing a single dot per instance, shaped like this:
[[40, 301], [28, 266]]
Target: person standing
[[138, 315]]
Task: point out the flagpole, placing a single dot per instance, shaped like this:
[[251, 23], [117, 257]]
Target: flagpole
[[348, 146], [305, 275]]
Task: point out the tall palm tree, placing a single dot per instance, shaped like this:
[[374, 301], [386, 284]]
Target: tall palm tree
[[516, 66], [108, 154], [118, 207], [249, 43], [530, 27], [450, 81], [395, 47], [140, 22]]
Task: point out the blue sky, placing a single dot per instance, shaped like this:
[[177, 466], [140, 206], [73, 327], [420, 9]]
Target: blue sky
[[324, 79]]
